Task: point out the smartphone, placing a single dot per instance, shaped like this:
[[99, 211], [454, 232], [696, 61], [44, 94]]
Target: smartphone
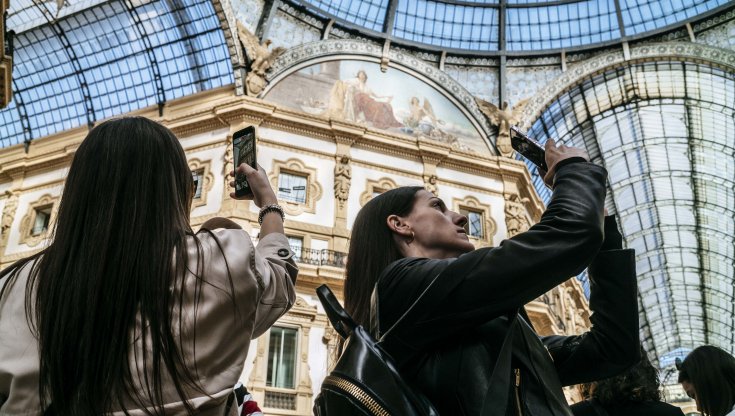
[[528, 148], [243, 151]]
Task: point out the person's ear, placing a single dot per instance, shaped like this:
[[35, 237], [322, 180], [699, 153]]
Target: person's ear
[[399, 226]]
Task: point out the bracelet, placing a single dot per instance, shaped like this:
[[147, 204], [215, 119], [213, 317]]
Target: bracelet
[[270, 208]]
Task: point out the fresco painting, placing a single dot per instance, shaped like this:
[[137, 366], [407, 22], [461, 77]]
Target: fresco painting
[[394, 101]]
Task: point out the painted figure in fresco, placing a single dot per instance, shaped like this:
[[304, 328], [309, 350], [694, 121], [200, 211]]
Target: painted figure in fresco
[[421, 117], [353, 100]]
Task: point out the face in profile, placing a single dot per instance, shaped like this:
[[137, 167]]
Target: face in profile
[[689, 390], [438, 231]]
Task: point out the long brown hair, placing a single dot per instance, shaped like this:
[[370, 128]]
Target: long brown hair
[[372, 248], [118, 252], [711, 371]]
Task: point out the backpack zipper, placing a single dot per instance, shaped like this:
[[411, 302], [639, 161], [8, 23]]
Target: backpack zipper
[[517, 372], [358, 394]]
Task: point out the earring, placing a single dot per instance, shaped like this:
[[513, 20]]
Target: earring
[[410, 240]]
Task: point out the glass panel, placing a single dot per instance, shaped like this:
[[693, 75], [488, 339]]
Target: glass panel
[[197, 177], [40, 224], [447, 25], [282, 358], [474, 226], [297, 244], [292, 187]]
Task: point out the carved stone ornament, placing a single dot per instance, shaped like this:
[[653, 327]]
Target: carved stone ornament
[[294, 58], [342, 180], [206, 177], [516, 220], [11, 204], [430, 183], [46, 202], [677, 51], [503, 118], [261, 58]]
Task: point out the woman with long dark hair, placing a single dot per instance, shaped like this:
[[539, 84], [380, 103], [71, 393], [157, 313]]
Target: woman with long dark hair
[[707, 375], [127, 309], [407, 245], [635, 392]]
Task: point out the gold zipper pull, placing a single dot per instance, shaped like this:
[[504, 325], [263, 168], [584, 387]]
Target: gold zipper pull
[[518, 376]]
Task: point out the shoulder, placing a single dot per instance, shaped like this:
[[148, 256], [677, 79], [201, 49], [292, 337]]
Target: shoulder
[[411, 271]]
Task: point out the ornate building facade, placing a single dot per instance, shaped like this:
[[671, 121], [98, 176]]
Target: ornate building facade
[[345, 113]]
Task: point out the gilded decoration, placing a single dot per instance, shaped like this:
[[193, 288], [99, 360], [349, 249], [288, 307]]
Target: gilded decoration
[[206, 178], [46, 203], [313, 188], [376, 187], [676, 51], [490, 228], [334, 49], [516, 218]]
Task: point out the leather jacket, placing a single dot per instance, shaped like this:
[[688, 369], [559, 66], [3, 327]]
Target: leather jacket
[[450, 349]]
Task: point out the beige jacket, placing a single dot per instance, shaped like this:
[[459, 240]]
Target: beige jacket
[[263, 280]]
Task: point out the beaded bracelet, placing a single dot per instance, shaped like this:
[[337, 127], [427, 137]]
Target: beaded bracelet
[[270, 208]]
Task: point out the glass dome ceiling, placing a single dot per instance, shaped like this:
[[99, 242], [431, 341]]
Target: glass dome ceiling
[[96, 59], [513, 26], [666, 133]]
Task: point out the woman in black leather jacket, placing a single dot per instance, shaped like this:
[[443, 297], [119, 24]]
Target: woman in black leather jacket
[[407, 245]]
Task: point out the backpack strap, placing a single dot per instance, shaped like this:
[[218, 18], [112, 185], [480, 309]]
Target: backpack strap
[[341, 321]]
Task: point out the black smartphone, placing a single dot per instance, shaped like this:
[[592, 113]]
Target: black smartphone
[[243, 151], [528, 148]]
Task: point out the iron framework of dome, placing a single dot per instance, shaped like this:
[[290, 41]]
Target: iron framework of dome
[[511, 27], [96, 59], [666, 133]]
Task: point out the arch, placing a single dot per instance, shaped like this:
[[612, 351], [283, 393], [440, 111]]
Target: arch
[[677, 51], [311, 53]]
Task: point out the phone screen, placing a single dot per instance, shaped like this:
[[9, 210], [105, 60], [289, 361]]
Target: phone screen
[[243, 151], [528, 148]]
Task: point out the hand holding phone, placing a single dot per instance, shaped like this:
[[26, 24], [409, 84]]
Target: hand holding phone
[[528, 148], [243, 151]]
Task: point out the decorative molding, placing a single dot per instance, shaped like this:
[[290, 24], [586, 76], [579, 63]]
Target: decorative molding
[[676, 51], [206, 178], [372, 186], [334, 49], [26, 223], [490, 227], [313, 188], [516, 216]]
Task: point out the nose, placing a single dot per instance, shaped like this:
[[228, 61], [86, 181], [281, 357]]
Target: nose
[[460, 219]]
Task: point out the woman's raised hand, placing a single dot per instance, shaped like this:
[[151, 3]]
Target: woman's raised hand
[[555, 154], [258, 180]]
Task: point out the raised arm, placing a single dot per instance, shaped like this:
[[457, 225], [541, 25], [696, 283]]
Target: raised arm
[[612, 345], [486, 283]]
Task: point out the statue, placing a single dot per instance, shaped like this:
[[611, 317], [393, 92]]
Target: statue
[[430, 183], [261, 59], [515, 215], [342, 179], [11, 204], [503, 118]]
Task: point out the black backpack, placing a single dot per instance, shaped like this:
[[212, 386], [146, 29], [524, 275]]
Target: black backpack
[[365, 380]]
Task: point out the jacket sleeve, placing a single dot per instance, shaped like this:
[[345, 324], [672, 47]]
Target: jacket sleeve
[[612, 345], [276, 270], [486, 283]]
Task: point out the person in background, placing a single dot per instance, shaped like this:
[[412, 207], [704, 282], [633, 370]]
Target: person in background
[[636, 392], [127, 310], [707, 375]]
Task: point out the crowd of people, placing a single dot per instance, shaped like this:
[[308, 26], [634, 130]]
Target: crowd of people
[[130, 311]]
